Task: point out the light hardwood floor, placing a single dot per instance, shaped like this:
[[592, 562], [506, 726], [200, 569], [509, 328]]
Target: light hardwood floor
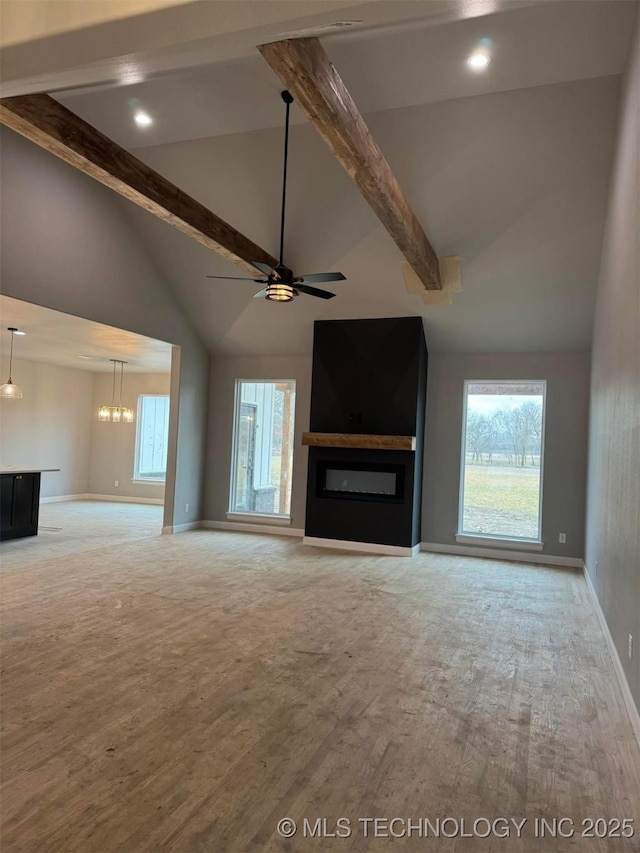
[[69, 527], [185, 693]]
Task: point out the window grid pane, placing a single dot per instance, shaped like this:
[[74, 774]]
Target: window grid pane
[[263, 448], [153, 437], [502, 457]]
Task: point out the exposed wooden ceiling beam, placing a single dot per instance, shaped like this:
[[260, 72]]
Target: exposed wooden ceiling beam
[[306, 71], [53, 127]]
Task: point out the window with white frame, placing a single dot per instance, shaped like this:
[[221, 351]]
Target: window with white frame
[[152, 438], [262, 463], [502, 459]]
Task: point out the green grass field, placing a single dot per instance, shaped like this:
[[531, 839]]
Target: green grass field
[[501, 500], [502, 487]]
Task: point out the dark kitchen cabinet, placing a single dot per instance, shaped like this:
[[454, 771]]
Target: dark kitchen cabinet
[[19, 504]]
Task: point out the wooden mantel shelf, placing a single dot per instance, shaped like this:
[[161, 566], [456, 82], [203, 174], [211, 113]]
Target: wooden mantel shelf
[[368, 442]]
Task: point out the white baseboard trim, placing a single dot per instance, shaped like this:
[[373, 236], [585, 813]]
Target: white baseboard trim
[[124, 499], [61, 498], [362, 547], [114, 498], [273, 529], [632, 709], [181, 528], [501, 554]]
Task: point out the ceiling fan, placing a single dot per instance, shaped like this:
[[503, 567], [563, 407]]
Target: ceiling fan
[[282, 285]]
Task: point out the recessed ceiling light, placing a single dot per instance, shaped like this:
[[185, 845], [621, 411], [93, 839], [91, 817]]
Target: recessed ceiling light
[[478, 60], [142, 119]]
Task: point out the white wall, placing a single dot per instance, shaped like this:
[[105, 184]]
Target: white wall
[[613, 513], [112, 453], [50, 426]]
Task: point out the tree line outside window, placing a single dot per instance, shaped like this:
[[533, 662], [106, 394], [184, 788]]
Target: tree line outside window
[[506, 436]]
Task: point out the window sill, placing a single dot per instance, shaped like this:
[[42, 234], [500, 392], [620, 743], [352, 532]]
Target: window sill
[[502, 542], [264, 518], [148, 482]]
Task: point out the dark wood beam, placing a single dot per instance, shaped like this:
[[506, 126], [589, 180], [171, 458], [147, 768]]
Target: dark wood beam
[[306, 71], [53, 127]]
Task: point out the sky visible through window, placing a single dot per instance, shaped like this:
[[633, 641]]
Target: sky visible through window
[[488, 405]]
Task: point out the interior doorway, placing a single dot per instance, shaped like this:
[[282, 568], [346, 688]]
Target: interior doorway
[[94, 417]]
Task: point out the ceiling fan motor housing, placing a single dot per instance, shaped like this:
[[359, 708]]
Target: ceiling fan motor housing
[[281, 274]]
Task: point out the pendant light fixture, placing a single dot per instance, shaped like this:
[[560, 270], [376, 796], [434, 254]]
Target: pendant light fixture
[[116, 414], [9, 391]]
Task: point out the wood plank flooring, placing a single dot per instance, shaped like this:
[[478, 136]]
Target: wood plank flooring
[[186, 693]]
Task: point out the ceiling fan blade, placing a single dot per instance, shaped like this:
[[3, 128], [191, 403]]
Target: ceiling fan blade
[[314, 291], [238, 278], [260, 294], [322, 276], [266, 269]]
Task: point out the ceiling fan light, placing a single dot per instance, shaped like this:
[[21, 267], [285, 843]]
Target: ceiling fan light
[[277, 292]]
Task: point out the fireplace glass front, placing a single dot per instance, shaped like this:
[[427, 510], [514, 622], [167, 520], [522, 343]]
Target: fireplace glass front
[[360, 481]]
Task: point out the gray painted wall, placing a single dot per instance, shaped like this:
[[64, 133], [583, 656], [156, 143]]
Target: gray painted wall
[[224, 372], [113, 445], [613, 518], [565, 456], [567, 376], [68, 244], [50, 426]]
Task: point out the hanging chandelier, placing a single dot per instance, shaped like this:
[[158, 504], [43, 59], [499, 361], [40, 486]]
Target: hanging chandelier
[[116, 413], [9, 391]]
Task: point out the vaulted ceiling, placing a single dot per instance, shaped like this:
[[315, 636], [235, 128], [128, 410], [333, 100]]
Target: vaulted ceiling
[[508, 168]]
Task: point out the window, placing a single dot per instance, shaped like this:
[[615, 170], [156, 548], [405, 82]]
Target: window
[[502, 449], [152, 437], [263, 448]]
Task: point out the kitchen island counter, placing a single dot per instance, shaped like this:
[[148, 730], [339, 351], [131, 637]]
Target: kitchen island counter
[[20, 501]]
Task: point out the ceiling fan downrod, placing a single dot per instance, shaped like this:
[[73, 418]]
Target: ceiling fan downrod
[[288, 100], [282, 285]]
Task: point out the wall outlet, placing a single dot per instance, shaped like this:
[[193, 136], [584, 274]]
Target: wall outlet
[[186, 507], [116, 483], [630, 649], [562, 538]]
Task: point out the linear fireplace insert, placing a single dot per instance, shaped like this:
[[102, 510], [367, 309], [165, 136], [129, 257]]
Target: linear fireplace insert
[[366, 481]]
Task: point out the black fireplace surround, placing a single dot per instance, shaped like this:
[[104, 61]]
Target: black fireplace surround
[[369, 378]]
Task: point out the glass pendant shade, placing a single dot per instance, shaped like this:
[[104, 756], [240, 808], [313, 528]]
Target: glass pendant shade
[[116, 414], [10, 391]]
